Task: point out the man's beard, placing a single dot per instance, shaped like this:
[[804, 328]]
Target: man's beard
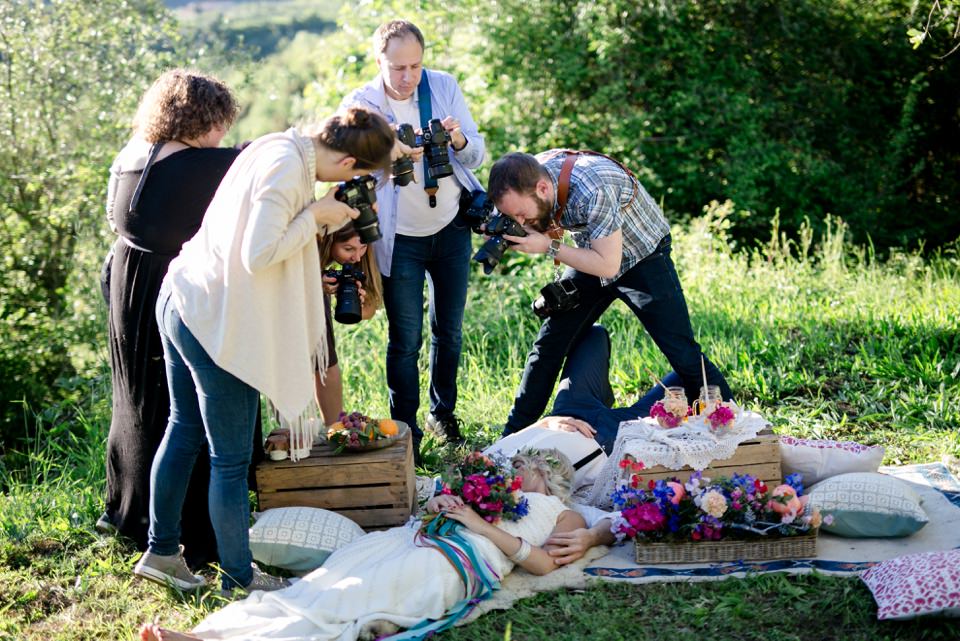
[[544, 211]]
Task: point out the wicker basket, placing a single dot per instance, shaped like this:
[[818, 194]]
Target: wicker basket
[[801, 546]]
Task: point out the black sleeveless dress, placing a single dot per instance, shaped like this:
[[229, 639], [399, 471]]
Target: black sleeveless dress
[[171, 207]]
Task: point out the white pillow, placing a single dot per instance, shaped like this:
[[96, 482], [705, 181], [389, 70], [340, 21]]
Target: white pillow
[[867, 505], [915, 585], [300, 538], [584, 453], [816, 460]]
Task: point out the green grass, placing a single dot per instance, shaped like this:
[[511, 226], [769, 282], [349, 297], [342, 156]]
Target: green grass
[[821, 338]]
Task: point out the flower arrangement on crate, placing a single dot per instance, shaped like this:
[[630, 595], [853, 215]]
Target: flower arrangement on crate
[[486, 486], [355, 431], [737, 507]]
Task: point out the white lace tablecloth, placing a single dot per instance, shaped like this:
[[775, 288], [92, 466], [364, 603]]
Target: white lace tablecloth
[[692, 445]]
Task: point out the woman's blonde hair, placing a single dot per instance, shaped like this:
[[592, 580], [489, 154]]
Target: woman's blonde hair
[[184, 105], [368, 264], [555, 468]]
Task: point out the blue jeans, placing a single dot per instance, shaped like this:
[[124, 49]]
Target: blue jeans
[[652, 291], [209, 407], [443, 261], [585, 391]]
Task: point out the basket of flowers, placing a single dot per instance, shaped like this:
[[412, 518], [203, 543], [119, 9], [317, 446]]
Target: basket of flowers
[[736, 518]]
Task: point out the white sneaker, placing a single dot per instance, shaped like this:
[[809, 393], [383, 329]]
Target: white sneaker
[[169, 570], [260, 581]]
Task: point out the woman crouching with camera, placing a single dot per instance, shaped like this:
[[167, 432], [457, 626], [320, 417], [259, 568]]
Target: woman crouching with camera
[[359, 293], [240, 313]]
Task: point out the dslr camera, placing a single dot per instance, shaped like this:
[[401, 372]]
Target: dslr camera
[[491, 252], [475, 208], [361, 194], [348, 310], [559, 296], [435, 142]]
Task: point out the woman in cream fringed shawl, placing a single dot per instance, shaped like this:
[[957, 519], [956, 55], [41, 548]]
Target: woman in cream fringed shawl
[[241, 313]]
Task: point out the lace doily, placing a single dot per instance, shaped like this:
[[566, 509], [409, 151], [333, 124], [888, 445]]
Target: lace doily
[[692, 445]]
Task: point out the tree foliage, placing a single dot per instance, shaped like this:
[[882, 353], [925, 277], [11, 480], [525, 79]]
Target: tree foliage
[[812, 107], [70, 75]]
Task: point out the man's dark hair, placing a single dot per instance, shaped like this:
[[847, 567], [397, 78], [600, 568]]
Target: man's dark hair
[[516, 171]]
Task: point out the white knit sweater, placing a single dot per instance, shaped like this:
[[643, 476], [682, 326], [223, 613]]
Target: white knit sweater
[[248, 285]]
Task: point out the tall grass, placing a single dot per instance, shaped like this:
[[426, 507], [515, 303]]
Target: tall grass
[[817, 335]]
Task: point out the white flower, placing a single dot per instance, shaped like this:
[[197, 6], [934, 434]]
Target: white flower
[[713, 503]]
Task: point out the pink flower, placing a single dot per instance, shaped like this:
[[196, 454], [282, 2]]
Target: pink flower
[[678, 492], [784, 500], [645, 517], [722, 416]]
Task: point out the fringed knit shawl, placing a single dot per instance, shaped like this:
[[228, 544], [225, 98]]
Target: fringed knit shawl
[[249, 286]]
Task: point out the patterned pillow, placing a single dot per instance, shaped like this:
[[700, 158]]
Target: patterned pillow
[[300, 538], [916, 585], [816, 460], [868, 504]]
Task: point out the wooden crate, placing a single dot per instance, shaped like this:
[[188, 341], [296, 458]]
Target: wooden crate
[[759, 457], [375, 489]]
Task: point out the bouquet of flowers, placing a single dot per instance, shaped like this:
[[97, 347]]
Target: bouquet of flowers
[[355, 431], [487, 487], [738, 507]]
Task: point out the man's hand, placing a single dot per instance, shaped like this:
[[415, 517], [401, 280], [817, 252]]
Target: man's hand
[[567, 424], [457, 139], [533, 243], [567, 547], [399, 150]]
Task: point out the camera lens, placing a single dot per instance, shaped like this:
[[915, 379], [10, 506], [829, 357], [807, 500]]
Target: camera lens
[[402, 171], [490, 253], [348, 310]]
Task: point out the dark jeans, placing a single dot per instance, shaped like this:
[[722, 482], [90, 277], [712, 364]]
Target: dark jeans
[[651, 289], [585, 391], [443, 261]]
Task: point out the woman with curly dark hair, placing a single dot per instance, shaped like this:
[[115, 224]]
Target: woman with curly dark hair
[[160, 185]]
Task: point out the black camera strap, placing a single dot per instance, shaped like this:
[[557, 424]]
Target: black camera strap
[[426, 115], [154, 150]]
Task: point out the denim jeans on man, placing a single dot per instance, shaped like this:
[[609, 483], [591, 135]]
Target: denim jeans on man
[[443, 260], [210, 408], [652, 291], [585, 391]]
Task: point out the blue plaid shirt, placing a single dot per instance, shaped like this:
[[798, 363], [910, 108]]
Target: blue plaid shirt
[[604, 198]]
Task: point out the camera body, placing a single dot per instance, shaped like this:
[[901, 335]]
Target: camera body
[[349, 310], [475, 208], [558, 296], [361, 194], [435, 141], [491, 252]]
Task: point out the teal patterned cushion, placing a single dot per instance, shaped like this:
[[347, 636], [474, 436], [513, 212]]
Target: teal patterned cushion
[[868, 504], [300, 538]]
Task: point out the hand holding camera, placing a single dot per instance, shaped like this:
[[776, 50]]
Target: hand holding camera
[[434, 140], [360, 193], [349, 281], [331, 212]]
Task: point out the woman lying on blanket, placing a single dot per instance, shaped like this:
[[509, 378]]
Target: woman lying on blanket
[[399, 578]]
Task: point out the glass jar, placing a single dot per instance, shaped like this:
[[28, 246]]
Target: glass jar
[[709, 399]]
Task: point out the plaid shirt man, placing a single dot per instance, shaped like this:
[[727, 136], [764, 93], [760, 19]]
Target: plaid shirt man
[[603, 198]]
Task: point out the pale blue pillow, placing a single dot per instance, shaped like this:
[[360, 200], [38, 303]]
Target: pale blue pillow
[[300, 538], [867, 505]]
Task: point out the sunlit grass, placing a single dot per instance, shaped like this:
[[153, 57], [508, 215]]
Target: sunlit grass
[[826, 342]]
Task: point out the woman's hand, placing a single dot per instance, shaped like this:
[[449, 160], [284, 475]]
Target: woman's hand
[[329, 285], [467, 517], [443, 503], [331, 212]]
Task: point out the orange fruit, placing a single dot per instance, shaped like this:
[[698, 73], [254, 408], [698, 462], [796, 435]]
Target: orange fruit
[[388, 427]]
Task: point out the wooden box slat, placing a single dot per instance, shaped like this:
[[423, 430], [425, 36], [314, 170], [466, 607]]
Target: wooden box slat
[[375, 488], [759, 457]]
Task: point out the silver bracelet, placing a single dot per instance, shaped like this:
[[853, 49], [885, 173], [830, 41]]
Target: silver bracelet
[[521, 555]]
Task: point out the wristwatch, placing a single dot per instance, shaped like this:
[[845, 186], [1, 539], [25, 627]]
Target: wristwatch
[[554, 248]]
